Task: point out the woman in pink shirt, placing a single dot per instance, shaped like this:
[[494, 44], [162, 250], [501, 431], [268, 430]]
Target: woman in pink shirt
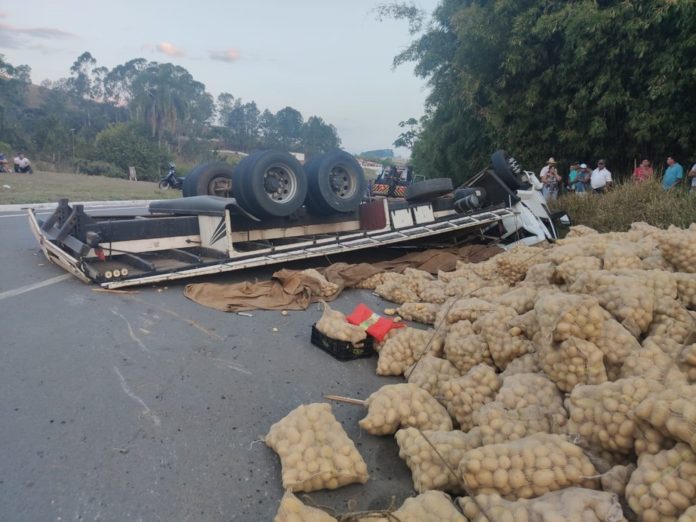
[[642, 172]]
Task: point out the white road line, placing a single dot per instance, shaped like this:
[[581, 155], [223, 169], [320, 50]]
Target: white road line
[[35, 286]]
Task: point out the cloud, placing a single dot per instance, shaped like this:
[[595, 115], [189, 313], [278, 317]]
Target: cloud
[[12, 36], [228, 55], [169, 49]]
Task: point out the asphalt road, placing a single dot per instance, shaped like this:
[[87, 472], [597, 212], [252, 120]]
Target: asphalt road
[[149, 407]]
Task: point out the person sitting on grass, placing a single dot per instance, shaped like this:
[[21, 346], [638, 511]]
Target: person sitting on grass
[[4, 163], [22, 164], [673, 175]]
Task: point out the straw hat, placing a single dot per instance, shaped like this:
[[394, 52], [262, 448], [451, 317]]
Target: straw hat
[[551, 161]]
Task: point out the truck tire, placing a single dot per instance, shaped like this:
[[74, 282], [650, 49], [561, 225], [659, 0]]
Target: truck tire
[[270, 183], [508, 170], [212, 179], [336, 183], [428, 189]]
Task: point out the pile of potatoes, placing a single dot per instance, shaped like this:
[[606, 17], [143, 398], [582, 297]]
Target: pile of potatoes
[[433, 457], [496, 425], [464, 348], [523, 390], [520, 299], [562, 316], [686, 289], [315, 451], [527, 467], [663, 486], [465, 395], [651, 362], [403, 405], [567, 505], [429, 372], [572, 362], [505, 342], [672, 411], [404, 347], [568, 271], [678, 247]]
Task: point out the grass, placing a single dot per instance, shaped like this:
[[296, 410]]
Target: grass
[[48, 187], [627, 203]]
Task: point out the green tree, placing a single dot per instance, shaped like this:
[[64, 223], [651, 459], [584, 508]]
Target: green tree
[[579, 80], [288, 123], [130, 144], [318, 137], [241, 121]]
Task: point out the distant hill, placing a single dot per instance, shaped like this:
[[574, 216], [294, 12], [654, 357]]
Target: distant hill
[[378, 154]]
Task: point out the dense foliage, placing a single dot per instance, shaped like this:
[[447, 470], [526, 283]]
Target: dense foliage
[[576, 79], [140, 114]]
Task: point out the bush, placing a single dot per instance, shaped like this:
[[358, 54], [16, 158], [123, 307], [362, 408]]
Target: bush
[[627, 203], [99, 168]]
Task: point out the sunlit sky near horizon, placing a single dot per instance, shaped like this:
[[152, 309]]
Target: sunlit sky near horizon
[[327, 58]]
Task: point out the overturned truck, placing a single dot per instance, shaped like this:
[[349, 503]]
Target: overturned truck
[[269, 209]]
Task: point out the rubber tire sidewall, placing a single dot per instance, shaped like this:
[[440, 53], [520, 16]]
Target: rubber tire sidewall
[[321, 199], [428, 189], [504, 172], [197, 181], [253, 193], [164, 185]]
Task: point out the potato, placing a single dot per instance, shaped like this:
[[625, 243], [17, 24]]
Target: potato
[[464, 348], [513, 264], [497, 425], [429, 372], [404, 347], [663, 486], [292, 509], [398, 291], [561, 316], [403, 405], [505, 342], [315, 451], [430, 469], [433, 292], [527, 467], [689, 515], [568, 505], [672, 411], [572, 362], [534, 390], [603, 414], [465, 395], [431, 506]]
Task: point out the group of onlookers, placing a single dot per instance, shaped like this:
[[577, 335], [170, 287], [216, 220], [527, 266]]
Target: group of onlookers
[[582, 179], [21, 164]]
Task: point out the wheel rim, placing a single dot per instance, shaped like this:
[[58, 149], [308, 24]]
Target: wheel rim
[[342, 182], [280, 183], [220, 187]]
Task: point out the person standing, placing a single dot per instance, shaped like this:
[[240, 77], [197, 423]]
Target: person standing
[[673, 175], [642, 172], [573, 175], [692, 175], [600, 179], [551, 180], [583, 179]]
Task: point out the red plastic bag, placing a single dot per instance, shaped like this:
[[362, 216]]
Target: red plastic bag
[[374, 324]]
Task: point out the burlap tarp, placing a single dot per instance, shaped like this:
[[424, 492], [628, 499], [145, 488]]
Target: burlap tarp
[[295, 290]]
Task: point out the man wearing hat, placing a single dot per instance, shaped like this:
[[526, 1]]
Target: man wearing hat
[[583, 179], [551, 179]]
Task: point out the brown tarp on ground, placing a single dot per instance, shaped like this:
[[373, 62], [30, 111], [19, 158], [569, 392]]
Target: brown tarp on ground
[[296, 290]]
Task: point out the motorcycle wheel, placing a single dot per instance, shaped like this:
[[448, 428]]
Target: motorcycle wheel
[[164, 185]]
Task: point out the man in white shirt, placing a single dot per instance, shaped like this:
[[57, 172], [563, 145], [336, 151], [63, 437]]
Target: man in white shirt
[[600, 178]]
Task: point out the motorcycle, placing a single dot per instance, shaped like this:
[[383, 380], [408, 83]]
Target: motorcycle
[[171, 180]]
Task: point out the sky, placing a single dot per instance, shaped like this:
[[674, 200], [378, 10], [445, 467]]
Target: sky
[[326, 58]]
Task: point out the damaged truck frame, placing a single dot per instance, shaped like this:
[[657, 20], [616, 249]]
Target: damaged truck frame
[[282, 211]]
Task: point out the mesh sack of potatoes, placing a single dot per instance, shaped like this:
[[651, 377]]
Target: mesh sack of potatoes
[[527, 323], [496, 424], [521, 299], [487, 270], [333, 324], [398, 291], [562, 316], [523, 390], [578, 247], [467, 309], [671, 320], [651, 362], [431, 506], [663, 486], [434, 468], [620, 256], [513, 264], [326, 288], [572, 362], [657, 262], [374, 281], [640, 229], [466, 394], [433, 292], [429, 372], [489, 293], [540, 275], [663, 284], [292, 509], [686, 360], [403, 348], [464, 348], [616, 478], [580, 231], [568, 271], [403, 405], [526, 364], [604, 414], [689, 515], [616, 343], [678, 247], [567, 505], [626, 298], [672, 411], [686, 289], [315, 451], [419, 312], [505, 342], [460, 273], [527, 467]]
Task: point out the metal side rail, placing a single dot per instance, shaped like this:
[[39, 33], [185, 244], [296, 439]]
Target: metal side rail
[[338, 245]]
